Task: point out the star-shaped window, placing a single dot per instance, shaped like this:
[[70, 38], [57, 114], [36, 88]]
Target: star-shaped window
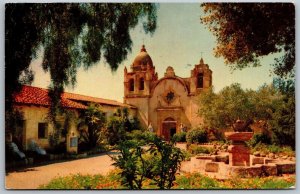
[[170, 96]]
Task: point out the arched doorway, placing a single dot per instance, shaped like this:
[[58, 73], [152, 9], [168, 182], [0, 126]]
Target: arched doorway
[[168, 128]]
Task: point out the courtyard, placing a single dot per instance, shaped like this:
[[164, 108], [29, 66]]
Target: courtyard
[[201, 169], [206, 102]]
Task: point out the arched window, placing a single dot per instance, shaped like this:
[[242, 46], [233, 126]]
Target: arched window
[[200, 80], [131, 85], [141, 84]]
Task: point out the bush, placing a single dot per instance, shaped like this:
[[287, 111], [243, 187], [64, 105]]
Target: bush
[[120, 128], [196, 181], [218, 135], [197, 136], [135, 134], [184, 181], [91, 124], [159, 163], [187, 155], [78, 181], [286, 150], [115, 131], [259, 138], [139, 136], [194, 149], [179, 137]]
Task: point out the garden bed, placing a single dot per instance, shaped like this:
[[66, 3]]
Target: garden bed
[[183, 181]]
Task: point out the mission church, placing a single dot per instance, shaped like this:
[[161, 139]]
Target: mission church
[[165, 106]]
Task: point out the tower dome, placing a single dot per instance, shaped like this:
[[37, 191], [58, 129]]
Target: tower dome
[[142, 59]]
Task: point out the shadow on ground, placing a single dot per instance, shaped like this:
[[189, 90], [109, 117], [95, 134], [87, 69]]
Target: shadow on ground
[[31, 167]]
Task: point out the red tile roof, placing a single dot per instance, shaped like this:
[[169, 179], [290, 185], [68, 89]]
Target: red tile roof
[[79, 97], [39, 96]]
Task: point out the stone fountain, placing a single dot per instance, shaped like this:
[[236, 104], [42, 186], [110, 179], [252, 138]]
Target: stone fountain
[[237, 160], [239, 153]]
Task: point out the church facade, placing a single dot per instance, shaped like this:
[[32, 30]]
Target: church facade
[[167, 105]]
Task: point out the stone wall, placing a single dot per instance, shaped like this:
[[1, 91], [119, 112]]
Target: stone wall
[[179, 109], [33, 115]]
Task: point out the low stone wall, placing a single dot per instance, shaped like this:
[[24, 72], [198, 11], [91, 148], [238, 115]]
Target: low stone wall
[[198, 163], [257, 160], [212, 167], [286, 168], [222, 158], [216, 165], [270, 170], [246, 172]]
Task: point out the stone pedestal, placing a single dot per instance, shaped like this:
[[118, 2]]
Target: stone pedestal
[[239, 153]]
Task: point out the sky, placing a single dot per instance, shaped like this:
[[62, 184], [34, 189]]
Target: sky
[[179, 41]]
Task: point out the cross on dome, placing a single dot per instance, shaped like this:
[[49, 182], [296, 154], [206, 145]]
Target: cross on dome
[[201, 61], [143, 49]]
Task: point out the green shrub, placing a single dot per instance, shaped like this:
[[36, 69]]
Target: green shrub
[[91, 124], [187, 155], [135, 134], [219, 135], [78, 181], [115, 131], [140, 136], [196, 181], [197, 136], [184, 181], [286, 150], [159, 163], [179, 137], [195, 149], [259, 138], [274, 148], [258, 183]]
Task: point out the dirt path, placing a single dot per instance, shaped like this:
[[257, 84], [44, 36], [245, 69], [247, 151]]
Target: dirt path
[[31, 178]]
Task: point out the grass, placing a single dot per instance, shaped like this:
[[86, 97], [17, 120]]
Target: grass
[[195, 181], [196, 149], [185, 181], [260, 183], [79, 181], [264, 148]]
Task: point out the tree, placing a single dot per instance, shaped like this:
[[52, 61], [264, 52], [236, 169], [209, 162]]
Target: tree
[[247, 31], [273, 104], [115, 131], [119, 124], [71, 35], [283, 122], [91, 125], [60, 130], [14, 126], [223, 109]]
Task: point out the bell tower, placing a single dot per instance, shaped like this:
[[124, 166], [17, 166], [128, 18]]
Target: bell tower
[[201, 77], [137, 84]]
